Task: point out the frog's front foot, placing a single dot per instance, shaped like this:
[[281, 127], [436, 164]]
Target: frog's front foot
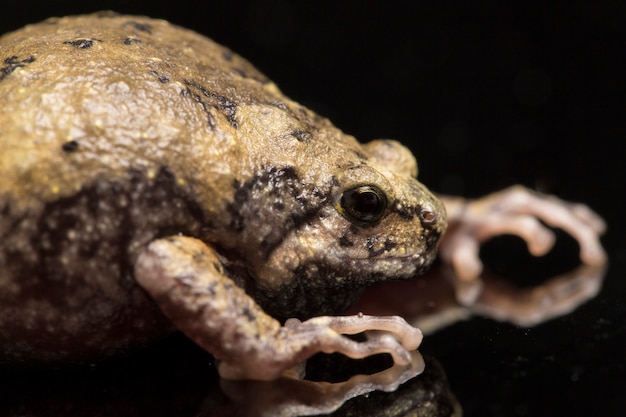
[[517, 211], [188, 281], [385, 334], [297, 341]]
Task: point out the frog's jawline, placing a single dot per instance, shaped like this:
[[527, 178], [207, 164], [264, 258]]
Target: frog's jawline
[[330, 288]]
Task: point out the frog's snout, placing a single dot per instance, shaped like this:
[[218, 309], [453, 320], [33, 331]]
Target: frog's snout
[[432, 218]]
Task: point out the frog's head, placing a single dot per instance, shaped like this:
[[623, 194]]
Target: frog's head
[[373, 222]]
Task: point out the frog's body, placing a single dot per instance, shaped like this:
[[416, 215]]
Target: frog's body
[[147, 172], [118, 131]]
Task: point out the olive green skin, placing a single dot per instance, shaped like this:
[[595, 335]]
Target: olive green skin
[[118, 130]]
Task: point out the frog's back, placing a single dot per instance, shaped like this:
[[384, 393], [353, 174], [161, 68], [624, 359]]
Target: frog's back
[[105, 121], [89, 96]]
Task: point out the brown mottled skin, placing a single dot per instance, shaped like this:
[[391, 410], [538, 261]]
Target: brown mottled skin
[[122, 138]]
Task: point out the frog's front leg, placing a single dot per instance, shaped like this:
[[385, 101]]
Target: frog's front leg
[[517, 211], [186, 278]]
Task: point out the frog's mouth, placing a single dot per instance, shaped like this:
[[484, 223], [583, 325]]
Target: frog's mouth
[[330, 285], [384, 266]]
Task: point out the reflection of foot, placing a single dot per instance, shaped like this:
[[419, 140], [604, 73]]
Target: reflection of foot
[[294, 397], [530, 306], [438, 298]]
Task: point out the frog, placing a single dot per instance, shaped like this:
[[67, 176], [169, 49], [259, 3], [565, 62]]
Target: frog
[[154, 181]]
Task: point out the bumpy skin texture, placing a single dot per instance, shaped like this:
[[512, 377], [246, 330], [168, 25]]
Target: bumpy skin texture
[[120, 131]]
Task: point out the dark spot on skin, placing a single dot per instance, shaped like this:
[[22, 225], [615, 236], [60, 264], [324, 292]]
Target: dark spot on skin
[[344, 241], [389, 245], [240, 72], [227, 107], [360, 155], [227, 55], [372, 243], [406, 212], [318, 192], [248, 314], [131, 41], [205, 107], [301, 135], [277, 196], [279, 104], [12, 63], [162, 77], [143, 27], [218, 267], [80, 43], [70, 146]]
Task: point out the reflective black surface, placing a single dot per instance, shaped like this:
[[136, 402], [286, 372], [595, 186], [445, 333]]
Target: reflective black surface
[[487, 95]]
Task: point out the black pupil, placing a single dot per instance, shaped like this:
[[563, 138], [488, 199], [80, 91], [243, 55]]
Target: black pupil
[[364, 203]]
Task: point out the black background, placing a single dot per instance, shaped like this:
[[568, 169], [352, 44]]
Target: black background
[[487, 94]]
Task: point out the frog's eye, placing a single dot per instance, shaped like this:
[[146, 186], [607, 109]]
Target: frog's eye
[[363, 204]]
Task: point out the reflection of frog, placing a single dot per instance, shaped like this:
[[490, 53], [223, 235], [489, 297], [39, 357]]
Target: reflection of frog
[[134, 149]]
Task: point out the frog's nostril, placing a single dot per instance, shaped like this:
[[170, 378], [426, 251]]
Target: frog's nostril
[[428, 216]]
